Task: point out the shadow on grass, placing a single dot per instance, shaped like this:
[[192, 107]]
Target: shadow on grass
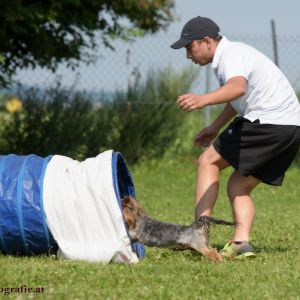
[[275, 249], [265, 249]]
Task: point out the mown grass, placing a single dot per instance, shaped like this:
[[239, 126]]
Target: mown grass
[[166, 190]]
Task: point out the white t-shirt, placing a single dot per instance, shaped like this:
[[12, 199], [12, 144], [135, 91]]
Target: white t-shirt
[[269, 96]]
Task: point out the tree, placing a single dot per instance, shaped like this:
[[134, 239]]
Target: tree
[[47, 32]]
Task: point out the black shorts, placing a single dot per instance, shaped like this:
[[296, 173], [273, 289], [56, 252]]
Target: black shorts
[[264, 151]]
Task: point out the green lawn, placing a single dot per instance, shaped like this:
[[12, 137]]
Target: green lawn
[[166, 190]]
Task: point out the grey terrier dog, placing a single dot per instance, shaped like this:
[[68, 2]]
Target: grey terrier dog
[[155, 233]]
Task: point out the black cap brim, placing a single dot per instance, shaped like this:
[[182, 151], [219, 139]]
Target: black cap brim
[[181, 43]]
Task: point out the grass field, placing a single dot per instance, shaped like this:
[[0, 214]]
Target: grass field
[[166, 190]]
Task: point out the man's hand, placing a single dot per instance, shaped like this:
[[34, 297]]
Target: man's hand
[[189, 102], [234, 88], [205, 137]]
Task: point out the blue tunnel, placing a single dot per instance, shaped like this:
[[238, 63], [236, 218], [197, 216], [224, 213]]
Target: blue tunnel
[[23, 227]]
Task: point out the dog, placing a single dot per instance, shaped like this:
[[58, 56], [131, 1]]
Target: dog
[[154, 233]]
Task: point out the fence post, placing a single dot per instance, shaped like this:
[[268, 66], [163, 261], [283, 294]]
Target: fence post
[[207, 109], [274, 39]]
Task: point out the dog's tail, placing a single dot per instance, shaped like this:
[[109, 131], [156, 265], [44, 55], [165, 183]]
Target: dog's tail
[[206, 221]]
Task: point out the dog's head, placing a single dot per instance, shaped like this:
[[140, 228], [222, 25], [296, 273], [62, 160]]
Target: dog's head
[[132, 211]]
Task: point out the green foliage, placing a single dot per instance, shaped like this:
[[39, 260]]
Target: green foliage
[[45, 33], [52, 122], [145, 120], [141, 122]]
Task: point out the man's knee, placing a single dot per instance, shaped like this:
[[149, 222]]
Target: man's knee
[[211, 157], [204, 159]]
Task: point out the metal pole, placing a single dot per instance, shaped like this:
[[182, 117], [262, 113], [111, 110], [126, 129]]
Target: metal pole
[[274, 39], [207, 89]]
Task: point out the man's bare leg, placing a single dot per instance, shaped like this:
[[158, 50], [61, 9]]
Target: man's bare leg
[[243, 209], [207, 185]]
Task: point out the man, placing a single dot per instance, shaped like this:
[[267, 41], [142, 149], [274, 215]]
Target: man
[[260, 144]]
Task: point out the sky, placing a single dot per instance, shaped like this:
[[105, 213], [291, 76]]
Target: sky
[[242, 17], [236, 18]]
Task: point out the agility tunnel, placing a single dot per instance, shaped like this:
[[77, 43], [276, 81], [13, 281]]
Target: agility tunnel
[[59, 205]]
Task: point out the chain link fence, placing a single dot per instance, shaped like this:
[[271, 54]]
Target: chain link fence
[[115, 70]]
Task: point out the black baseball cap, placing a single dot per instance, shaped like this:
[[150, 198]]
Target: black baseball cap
[[196, 29]]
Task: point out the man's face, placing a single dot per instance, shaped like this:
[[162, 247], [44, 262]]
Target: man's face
[[200, 51]]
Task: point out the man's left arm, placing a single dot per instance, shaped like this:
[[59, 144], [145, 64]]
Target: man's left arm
[[234, 88]]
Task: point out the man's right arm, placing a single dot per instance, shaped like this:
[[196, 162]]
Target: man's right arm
[[225, 116], [206, 135]]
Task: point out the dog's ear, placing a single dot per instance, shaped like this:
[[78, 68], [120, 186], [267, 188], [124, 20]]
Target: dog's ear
[[129, 212], [126, 201], [130, 220], [129, 202]]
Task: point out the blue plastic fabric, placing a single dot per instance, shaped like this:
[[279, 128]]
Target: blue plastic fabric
[[23, 228], [123, 186]]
